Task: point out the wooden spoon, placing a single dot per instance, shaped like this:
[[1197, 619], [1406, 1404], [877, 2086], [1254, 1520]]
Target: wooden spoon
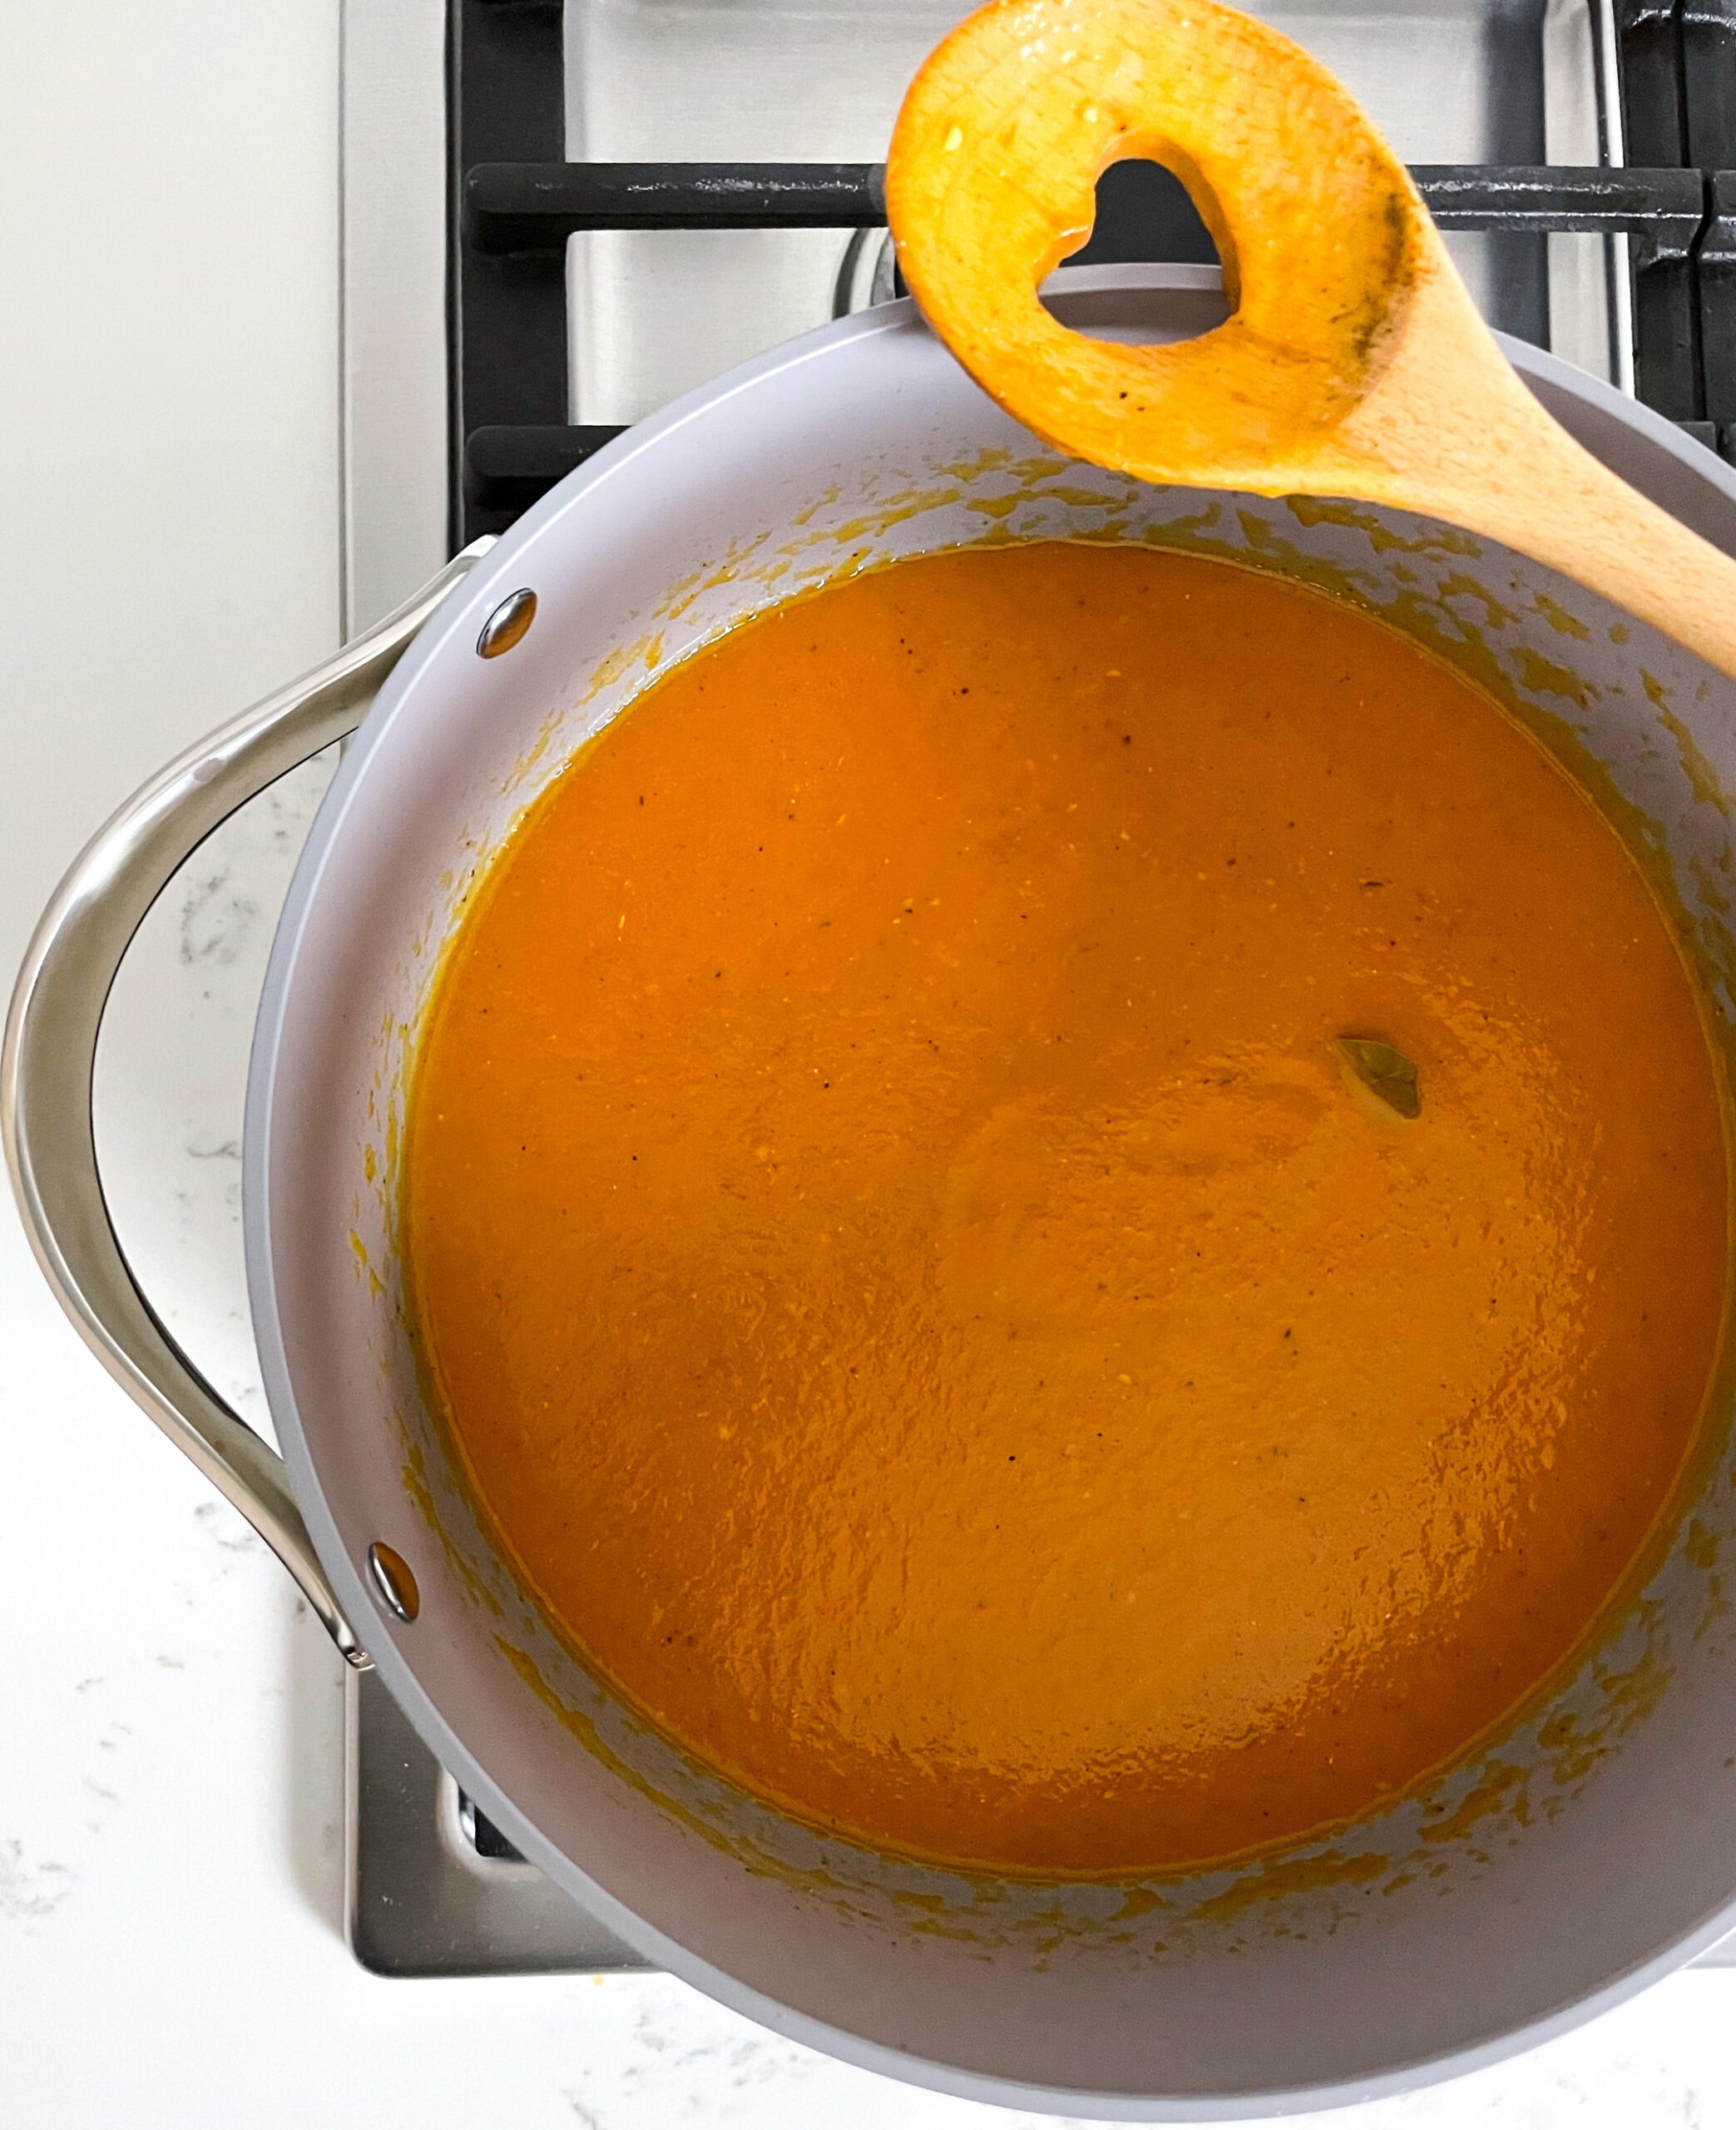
[[1354, 363]]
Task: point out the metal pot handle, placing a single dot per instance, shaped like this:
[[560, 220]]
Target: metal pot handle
[[46, 1066]]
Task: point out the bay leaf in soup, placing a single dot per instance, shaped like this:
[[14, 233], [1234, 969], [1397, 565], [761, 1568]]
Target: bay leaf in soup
[[1385, 1072]]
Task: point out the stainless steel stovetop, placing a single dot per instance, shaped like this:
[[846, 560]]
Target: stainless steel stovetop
[[431, 1890]]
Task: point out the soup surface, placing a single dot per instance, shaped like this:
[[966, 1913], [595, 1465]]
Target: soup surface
[[923, 1293]]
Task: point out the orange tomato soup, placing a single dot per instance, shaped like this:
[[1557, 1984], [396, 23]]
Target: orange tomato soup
[[919, 1288]]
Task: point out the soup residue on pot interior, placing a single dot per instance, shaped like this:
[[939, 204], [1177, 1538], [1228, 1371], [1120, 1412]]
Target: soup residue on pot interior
[[913, 1227]]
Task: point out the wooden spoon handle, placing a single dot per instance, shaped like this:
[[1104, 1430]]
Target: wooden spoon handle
[[1449, 431], [1354, 363]]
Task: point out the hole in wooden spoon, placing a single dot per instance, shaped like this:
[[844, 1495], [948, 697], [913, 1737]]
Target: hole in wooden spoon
[[1144, 217]]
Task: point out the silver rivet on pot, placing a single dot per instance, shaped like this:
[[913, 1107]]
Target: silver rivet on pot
[[507, 624], [394, 1585]]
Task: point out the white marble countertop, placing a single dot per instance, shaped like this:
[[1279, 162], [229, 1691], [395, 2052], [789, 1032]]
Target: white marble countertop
[[170, 1948]]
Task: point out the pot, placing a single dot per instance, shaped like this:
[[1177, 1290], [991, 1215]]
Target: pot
[[1584, 1854]]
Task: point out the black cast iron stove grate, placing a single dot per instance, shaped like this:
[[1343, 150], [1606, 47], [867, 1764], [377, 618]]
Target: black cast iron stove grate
[[513, 202]]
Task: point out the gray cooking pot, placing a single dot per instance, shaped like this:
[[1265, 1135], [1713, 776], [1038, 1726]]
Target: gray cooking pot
[[1592, 1849]]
